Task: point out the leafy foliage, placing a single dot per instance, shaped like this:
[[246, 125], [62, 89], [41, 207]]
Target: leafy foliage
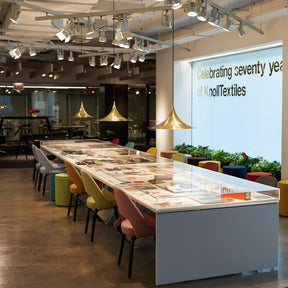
[[226, 158]]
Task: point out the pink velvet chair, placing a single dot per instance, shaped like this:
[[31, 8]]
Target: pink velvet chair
[[134, 224]]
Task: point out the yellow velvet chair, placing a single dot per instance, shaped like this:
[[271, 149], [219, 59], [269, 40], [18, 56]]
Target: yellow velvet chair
[[180, 157], [98, 200], [152, 151]]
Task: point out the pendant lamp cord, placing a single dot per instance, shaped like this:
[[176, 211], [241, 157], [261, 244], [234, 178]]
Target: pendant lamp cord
[[173, 57]]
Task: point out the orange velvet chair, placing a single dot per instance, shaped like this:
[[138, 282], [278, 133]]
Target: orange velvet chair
[[76, 188]]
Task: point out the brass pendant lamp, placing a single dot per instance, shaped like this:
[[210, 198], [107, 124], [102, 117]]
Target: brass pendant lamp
[[82, 112], [172, 121], [113, 116]]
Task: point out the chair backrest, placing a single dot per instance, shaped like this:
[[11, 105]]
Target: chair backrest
[[130, 145], [75, 177], [94, 191], [34, 147], [129, 210], [180, 157], [43, 160], [152, 150], [267, 180], [211, 166], [115, 141]]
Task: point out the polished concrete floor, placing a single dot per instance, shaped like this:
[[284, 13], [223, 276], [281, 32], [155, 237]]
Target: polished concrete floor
[[41, 247]]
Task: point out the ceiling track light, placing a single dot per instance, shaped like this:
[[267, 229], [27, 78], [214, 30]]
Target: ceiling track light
[[60, 55], [192, 10], [213, 21], [133, 57], [92, 62], [71, 58], [102, 36], [32, 51], [166, 20], [176, 4], [103, 60], [141, 46], [202, 14], [148, 47], [16, 53], [117, 62], [14, 13], [89, 29], [228, 25], [142, 57], [241, 32], [136, 44]]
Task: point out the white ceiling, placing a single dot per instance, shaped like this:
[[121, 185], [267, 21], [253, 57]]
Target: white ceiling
[[142, 23]]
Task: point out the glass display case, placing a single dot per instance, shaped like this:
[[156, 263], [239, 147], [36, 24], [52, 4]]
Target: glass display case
[[162, 184]]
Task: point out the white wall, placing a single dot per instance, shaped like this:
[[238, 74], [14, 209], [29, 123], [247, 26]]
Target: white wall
[[274, 30]]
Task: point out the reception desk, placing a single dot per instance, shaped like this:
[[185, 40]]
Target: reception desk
[[207, 224]]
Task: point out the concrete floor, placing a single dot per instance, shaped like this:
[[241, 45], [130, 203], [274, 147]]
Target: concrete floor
[[41, 247]]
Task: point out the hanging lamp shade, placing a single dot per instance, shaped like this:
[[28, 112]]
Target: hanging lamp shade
[[113, 116], [82, 112], [172, 122]]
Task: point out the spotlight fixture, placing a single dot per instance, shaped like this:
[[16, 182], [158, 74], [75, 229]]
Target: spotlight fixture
[[71, 58], [89, 29], [228, 25], [60, 55], [202, 14], [117, 62], [15, 53], [214, 17], [102, 36], [166, 21], [176, 4], [147, 48], [142, 57], [14, 13], [133, 57], [92, 62], [241, 31], [64, 35], [103, 60], [32, 52], [142, 45], [125, 44], [192, 10], [136, 44]]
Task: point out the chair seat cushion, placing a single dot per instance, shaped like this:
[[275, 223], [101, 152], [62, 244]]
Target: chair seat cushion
[[91, 203], [128, 229], [110, 197], [74, 189]]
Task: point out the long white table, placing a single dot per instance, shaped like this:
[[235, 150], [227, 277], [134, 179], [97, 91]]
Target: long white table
[[207, 223]]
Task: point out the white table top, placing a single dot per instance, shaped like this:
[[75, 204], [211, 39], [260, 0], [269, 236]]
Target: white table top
[[161, 184]]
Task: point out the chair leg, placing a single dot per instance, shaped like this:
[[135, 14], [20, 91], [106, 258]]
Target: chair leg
[[34, 173], [70, 204], [131, 252], [75, 209], [87, 220], [36, 178], [40, 180], [116, 212], [121, 249], [93, 224], [44, 184]]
